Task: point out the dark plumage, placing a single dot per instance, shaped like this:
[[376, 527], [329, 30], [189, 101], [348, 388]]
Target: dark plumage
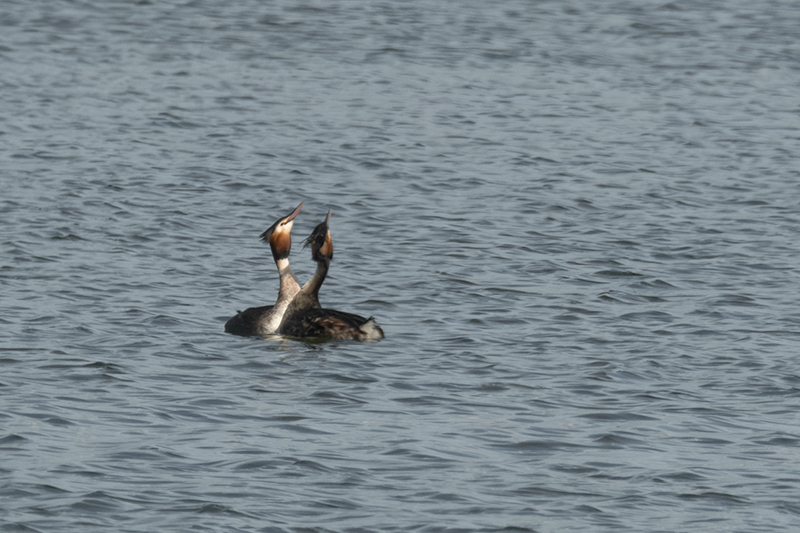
[[333, 325], [246, 322]]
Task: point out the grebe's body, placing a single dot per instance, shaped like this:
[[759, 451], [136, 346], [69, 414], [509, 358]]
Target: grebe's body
[[265, 320], [329, 324], [305, 317]]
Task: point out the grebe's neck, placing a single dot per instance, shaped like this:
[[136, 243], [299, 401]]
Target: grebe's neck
[[289, 284], [307, 297], [311, 288], [289, 289]]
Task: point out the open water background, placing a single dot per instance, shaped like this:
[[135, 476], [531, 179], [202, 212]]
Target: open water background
[[576, 221]]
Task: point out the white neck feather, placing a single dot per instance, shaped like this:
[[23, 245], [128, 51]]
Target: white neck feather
[[289, 288]]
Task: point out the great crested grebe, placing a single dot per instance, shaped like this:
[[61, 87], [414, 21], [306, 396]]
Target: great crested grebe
[[265, 320], [306, 318]]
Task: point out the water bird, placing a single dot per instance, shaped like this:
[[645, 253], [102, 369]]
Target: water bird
[[266, 320], [305, 317]]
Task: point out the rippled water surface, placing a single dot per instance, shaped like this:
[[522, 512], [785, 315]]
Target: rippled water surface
[[576, 222]]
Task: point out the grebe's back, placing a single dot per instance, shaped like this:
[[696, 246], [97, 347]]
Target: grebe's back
[[331, 324]]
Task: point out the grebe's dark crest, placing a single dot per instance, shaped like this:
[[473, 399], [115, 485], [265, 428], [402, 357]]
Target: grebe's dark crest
[[305, 317], [265, 320]]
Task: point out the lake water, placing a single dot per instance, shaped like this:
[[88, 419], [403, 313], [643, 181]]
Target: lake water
[[576, 222]]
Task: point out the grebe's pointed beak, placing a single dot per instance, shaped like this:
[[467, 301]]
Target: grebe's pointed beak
[[294, 213], [328, 218]]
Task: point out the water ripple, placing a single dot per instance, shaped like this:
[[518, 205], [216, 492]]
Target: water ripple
[[575, 225]]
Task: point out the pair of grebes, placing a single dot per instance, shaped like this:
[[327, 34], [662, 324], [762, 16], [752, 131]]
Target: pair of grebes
[[297, 312]]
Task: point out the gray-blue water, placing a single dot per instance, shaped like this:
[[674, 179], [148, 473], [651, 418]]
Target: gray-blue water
[[576, 222]]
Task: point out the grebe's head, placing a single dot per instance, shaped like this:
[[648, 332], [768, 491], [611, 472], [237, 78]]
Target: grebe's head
[[320, 241], [279, 235]]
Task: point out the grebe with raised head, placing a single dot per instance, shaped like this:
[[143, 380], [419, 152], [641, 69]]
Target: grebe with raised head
[[305, 317], [265, 320]]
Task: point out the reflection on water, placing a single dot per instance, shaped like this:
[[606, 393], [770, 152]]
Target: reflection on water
[[575, 224]]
